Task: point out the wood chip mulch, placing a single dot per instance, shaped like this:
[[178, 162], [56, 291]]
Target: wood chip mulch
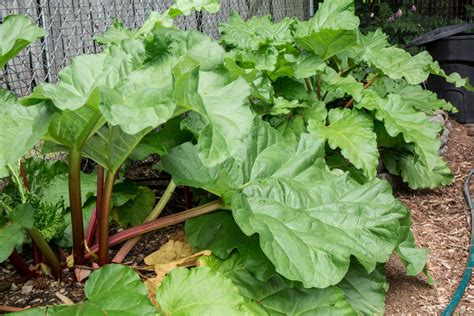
[[442, 223]]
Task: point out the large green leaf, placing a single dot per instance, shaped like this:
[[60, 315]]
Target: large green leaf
[[352, 132], [57, 190], [327, 43], [365, 291], [310, 220], [310, 224], [142, 101], [22, 128], [79, 83], [198, 292], [397, 63], [275, 297], [110, 146], [112, 290], [16, 32], [401, 118], [224, 118]]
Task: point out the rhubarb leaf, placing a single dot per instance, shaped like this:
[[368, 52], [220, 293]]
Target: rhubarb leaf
[[415, 173], [186, 7], [275, 297], [110, 146], [311, 224], [13, 235], [22, 128], [365, 291], [400, 118], [112, 290], [352, 132], [58, 189], [198, 291], [224, 116], [16, 32], [135, 212], [335, 14]]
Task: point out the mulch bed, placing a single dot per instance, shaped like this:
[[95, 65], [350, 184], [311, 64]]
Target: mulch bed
[[441, 223]]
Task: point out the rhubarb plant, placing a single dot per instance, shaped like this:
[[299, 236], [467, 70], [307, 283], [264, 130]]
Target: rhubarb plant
[[351, 90], [285, 125]]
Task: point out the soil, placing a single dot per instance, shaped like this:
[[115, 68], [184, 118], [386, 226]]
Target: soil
[[441, 223]]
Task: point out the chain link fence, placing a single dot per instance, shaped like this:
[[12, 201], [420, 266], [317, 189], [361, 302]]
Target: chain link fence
[[72, 25]]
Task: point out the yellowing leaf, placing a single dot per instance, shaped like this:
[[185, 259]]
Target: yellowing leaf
[[171, 251]]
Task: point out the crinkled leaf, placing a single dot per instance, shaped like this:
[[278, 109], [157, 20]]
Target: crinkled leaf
[[135, 212], [401, 118], [198, 291], [143, 101], [310, 224], [219, 233], [16, 32], [331, 81], [352, 132], [22, 128], [57, 190], [397, 63], [328, 43], [275, 297], [255, 32], [307, 66], [115, 34], [283, 106], [365, 291], [337, 161], [415, 173], [80, 81], [225, 117]]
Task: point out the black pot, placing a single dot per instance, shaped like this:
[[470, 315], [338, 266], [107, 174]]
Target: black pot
[[455, 53]]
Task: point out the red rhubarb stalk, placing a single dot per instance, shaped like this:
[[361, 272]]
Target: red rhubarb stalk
[[160, 223], [103, 219]]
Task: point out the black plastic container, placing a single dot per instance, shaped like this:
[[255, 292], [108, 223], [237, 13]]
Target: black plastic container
[[454, 51]]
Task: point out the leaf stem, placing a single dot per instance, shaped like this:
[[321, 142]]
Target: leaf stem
[[76, 204], [103, 218], [92, 227], [46, 251], [308, 85], [122, 253], [162, 222], [366, 85], [21, 266]]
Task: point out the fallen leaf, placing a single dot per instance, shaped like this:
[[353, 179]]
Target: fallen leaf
[[82, 274], [162, 270], [171, 251], [26, 289]]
